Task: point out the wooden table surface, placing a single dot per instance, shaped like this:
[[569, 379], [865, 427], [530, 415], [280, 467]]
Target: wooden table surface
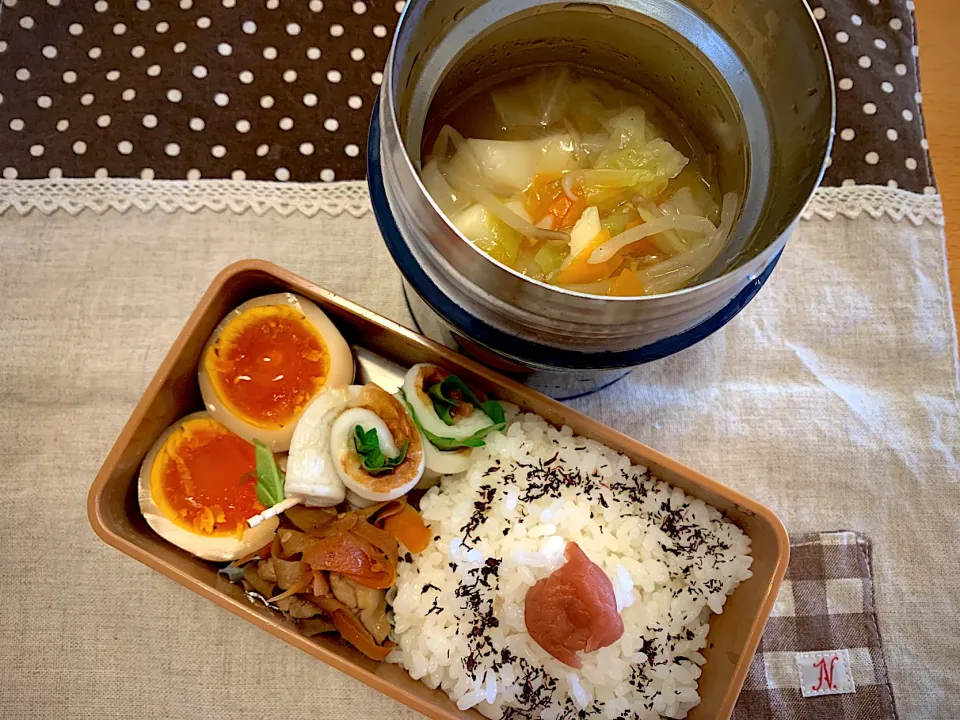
[[938, 27]]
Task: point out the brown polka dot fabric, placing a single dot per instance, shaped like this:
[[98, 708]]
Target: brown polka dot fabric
[[282, 89], [880, 135], [191, 88]]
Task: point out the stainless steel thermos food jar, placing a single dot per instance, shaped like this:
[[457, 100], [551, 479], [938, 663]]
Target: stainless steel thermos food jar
[[751, 78]]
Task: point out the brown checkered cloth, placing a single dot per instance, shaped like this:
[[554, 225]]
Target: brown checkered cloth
[[825, 604]]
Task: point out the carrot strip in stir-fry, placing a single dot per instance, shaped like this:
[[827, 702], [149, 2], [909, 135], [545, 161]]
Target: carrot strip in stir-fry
[[353, 631], [263, 553], [310, 520], [408, 527], [379, 511], [349, 555], [366, 553], [294, 571], [302, 584]]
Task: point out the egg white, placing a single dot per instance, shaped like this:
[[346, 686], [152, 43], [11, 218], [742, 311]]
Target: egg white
[[218, 549], [340, 374], [427, 415]]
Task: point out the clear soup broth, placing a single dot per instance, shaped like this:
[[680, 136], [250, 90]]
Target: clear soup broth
[[577, 180]]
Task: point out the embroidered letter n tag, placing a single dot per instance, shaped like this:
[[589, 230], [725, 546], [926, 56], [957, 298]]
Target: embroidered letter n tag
[[825, 673]]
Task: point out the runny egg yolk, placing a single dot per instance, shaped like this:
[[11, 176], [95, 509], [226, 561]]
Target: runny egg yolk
[[268, 364], [204, 479]]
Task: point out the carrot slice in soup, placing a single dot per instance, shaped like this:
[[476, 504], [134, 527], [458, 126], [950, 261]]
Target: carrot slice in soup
[[581, 271], [546, 196], [542, 192], [627, 284]]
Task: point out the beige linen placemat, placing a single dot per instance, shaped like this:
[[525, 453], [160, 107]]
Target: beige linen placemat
[[832, 398]]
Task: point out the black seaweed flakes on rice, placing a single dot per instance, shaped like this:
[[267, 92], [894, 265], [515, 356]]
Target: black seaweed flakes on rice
[[528, 482], [481, 509]]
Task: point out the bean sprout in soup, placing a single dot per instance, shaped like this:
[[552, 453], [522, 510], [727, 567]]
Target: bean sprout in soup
[[579, 182]]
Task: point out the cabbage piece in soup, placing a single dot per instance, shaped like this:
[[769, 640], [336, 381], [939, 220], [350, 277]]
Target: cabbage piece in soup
[[579, 182]]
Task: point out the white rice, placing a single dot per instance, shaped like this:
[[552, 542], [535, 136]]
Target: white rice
[[503, 525]]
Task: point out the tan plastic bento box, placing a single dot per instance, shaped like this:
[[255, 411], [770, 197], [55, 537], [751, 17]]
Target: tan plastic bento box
[[115, 516]]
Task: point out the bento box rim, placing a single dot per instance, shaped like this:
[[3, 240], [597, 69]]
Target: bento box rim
[[303, 286]]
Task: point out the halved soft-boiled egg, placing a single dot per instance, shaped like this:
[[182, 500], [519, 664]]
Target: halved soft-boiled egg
[[359, 439], [266, 361], [198, 487]]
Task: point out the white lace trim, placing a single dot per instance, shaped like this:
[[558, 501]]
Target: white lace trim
[[76, 195], [876, 201]]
